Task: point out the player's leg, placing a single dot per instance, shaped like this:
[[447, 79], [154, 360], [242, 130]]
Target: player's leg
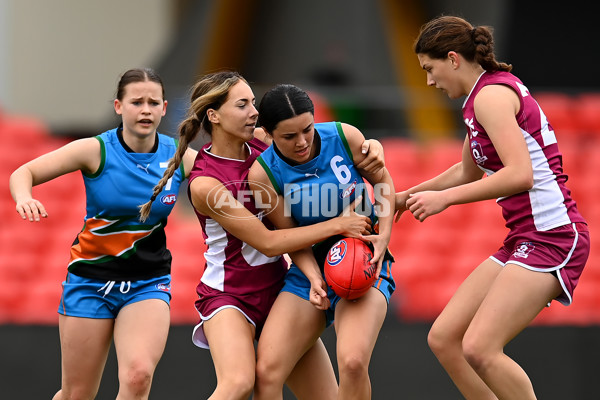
[[140, 336], [357, 325], [514, 300], [313, 376], [81, 375], [292, 328], [231, 339], [446, 335]]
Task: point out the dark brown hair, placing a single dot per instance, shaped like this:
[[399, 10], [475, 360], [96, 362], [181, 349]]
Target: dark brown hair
[[135, 75], [447, 33], [280, 103]]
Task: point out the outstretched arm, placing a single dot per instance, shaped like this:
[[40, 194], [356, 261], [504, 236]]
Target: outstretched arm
[[303, 257], [81, 154], [211, 198], [495, 108], [384, 196]]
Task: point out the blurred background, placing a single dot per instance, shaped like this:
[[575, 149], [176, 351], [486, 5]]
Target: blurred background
[[60, 62]]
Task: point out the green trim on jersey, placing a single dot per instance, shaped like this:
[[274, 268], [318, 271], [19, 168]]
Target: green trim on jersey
[[340, 131], [269, 174], [181, 166], [102, 159]]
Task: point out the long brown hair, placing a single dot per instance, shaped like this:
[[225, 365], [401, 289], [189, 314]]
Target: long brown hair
[[210, 91], [448, 33]]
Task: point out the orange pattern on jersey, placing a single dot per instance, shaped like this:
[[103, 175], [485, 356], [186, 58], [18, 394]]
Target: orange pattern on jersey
[[93, 244]]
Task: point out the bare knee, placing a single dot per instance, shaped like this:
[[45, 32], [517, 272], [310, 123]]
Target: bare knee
[[136, 379], [476, 352], [440, 341], [268, 374], [236, 386], [353, 366]]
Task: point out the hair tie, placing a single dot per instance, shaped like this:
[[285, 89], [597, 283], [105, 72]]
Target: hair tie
[[153, 198]]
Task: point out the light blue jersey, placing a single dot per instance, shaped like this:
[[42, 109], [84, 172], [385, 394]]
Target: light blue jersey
[[318, 191], [321, 188], [113, 243]]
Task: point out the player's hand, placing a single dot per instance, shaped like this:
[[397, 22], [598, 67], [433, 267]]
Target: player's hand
[[352, 223], [31, 209], [380, 243], [374, 160], [426, 204], [318, 294], [401, 198]]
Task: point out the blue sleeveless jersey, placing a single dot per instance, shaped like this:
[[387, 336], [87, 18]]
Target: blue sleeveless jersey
[[113, 243], [321, 188]]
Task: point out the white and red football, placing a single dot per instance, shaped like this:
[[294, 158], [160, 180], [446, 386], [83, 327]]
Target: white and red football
[[347, 268]]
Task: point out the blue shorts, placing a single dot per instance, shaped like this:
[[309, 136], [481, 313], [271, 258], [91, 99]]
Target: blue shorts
[[297, 283], [94, 298]]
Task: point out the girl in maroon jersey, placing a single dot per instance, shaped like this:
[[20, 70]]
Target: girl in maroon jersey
[[510, 140], [244, 270]]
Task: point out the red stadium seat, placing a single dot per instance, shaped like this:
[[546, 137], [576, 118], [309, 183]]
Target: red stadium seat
[[559, 110], [587, 112]]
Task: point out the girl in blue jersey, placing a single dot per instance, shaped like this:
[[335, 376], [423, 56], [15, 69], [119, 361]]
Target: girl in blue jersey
[[244, 269], [312, 168], [118, 283], [510, 140]]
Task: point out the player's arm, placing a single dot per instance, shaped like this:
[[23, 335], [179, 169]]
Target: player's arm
[[211, 198], [189, 157], [81, 154], [374, 159], [495, 108], [303, 257], [463, 172], [261, 135], [384, 194]]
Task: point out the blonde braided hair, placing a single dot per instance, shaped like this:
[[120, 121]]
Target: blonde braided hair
[[210, 92]]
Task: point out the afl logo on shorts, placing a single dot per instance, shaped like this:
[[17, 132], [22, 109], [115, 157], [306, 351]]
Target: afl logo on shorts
[[163, 287], [168, 199], [337, 252]]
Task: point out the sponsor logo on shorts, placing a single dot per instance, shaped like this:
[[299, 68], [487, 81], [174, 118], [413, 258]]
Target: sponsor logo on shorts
[[163, 287], [523, 249], [337, 252]]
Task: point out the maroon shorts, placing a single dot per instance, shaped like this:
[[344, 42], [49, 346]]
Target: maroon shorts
[[254, 306], [563, 250]]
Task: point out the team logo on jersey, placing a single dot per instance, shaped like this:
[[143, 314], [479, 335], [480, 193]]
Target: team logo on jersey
[[477, 152], [168, 199], [348, 191], [523, 249], [238, 195], [337, 252]]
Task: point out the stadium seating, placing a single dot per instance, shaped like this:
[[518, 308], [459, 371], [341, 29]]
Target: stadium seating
[[587, 112]]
